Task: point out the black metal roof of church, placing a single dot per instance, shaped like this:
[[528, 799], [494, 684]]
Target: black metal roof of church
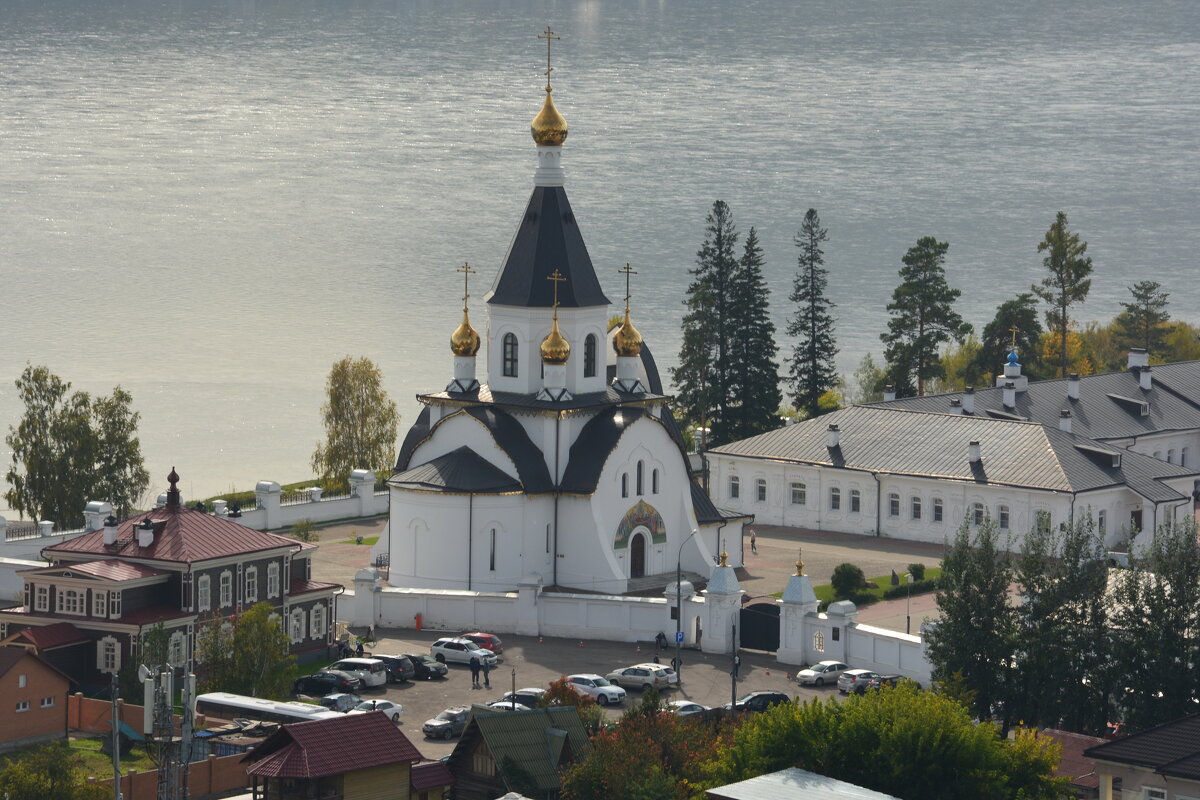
[[461, 470], [547, 239]]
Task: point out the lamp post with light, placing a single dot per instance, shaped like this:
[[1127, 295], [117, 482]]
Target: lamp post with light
[[679, 606]]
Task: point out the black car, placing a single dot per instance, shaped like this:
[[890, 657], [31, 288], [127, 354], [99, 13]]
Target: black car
[[447, 724], [320, 684], [757, 701], [399, 668], [426, 667]]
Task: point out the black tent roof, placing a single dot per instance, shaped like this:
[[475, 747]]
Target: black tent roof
[[460, 470]]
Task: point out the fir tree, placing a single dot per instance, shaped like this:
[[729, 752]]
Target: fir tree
[[1068, 282], [1143, 323], [923, 317], [812, 368], [702, 377], [754, 395]]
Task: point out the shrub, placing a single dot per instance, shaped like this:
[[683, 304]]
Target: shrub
[[305, 530], [847, 579], [916, 587], [918, 571]]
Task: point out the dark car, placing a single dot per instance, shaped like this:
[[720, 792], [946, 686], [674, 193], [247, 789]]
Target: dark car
[[399, 668], [426, 667], [447, 724], [320, 684], [757, 701]]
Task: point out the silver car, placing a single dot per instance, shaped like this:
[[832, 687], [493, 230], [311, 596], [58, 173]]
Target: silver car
[[822, 673], [460, 651], [640, 676], [856, 681]]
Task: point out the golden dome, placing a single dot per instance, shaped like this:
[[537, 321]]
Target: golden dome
[[627, 341], [464, 341], [555, 349], [549, 127]]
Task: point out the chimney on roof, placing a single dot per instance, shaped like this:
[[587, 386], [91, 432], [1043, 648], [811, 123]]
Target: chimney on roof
[[1138, 357], [956, 406], [110, 530], [1073, 386], [1064, 420], [1145, 379], [973, 453], [1010, 395], [833, 437], [968, 400], [889, 393], [145, 533]]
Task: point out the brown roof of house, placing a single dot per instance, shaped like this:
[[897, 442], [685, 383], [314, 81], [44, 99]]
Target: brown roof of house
[[331, 747], [1073, 764], [1171, 749], [11, 656], [140, 616], [431, 775], [48, 637], [184, 536], [302, 586], [109, 569]]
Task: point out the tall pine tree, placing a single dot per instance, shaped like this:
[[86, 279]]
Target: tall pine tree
[[997, 339], [1068, 282], [702, 377], [1143, 323], [754, 395], [812, 371], [923, 317]]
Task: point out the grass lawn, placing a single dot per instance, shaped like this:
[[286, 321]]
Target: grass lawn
[[367, 540], [100, 764], [824, 592]]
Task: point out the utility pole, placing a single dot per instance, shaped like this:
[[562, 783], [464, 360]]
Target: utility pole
[[116, 737], [733, 670]]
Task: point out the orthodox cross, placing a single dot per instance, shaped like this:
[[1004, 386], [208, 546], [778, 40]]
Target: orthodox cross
[[558, 278], [1013, 345], [467, 271], [627, 271], [548, 36]]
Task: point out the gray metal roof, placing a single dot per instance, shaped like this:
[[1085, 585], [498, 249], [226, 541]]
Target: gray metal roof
[[795, 784], [900, 441]]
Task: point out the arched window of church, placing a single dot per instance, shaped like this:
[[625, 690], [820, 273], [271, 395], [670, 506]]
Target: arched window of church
[[492, 557], [654, 482], [589, 356], [624, 484], [547, 537], [510, 355], [641, 471], [760, 487], [1171, 456], [735, 487], [977, 513], [1005, 516]]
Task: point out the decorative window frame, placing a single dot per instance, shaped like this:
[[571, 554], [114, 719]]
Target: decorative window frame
[[41, 597], [226, 589], [835, 498], [894, 504], [273, 580], [914, 507], [760, 490], [71, 601], [316, 622], [978, 514], [250, 585], [799, 493], [1003, 517], [855, 501], [177, 649], [204, 593], [735, 487], [939, 510], [108, 655], [296, 619], [100, 604]]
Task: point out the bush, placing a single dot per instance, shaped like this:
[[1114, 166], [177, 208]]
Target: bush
[[305, 530], [846, 580], [916, 587], [918, 571]]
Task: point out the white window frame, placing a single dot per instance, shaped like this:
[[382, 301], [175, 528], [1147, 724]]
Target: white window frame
[[251, 585], [296, 626], [735, 487], [855, 501], [114, 605], [835, 499], [894, 504], [316, 622], [1102, 522], [71, 601], [760, 490], [273, 579], [41, 598], [108, 655], [799, 493], [49, 701], [1154, 793], [977, 514], [204, 593], [226, 584], [1042, 520], [1183, 457], [22, 706], [819, 641], [100, 604], [914, 507], [1171, 455], [1003, 517], [177, 649], [939, 510]]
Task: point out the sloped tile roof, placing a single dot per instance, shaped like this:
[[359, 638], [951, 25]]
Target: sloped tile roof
[[187, 536], [1171, 749], [541, 740], [303, 586], [460, 470], [1073, 764], [108, 569], [431, 775], [48, 637], [900, 441], [11, 656], [335, 746]]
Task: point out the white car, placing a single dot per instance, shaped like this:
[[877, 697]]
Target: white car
[[392, 711], [686, 708], [507, 705], [529, 698], [597, 687], [640, 676], [460, 650], [822, 673]]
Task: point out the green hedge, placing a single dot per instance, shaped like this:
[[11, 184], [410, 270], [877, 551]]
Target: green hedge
[[916, 587]]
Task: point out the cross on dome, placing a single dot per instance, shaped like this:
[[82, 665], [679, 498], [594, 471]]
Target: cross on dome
[[549, 37], [627, 341], [555, 348], [465, 339]]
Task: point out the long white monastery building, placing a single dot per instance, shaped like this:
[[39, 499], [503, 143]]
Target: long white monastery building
[[565, 467]]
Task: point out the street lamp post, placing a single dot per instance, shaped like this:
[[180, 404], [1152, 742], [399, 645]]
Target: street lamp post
[[679, 606], [908, 604]]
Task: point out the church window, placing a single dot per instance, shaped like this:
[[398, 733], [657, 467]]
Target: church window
[[893, 505], [1183, 456], [41, 600], [1171, 456], [589, 356], [1042, 520], [547, 537], [1158, 454], [226, 588], [760, 490], [819, 641], [624, 484], [100, 604], [855, 501], [510, 355], [251, 584], [492, 555], [735, 487], [977, 513], [937, 509], [641, 472], [835, 499], [1102, 522], [296, 634], [108, 655], [273, 579], [204, 593], [1004, 517], [914, 505], [654, 482], [799, 494]]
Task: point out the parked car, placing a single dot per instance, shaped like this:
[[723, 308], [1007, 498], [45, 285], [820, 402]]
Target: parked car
[[686, 708], [856, 681], [756, 701], [507, 705], [530, 698], [325, 682], [447, 724], [821, 673], [460, 650], [596, 687], [672, 675], [392, 711], [340, 701], [371, 671], [892, 680], [426, 666], [488, 641], [641, 676], [399, 668]]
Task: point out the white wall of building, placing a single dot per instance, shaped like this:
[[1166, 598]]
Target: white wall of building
[[531, 326]]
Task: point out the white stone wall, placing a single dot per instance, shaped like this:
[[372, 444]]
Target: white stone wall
[[531, 326]]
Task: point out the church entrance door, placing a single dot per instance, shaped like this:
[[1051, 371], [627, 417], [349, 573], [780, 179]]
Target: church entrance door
[[637, 556]]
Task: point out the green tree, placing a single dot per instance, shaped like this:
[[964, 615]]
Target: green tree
[[702, 377], [1019, 314], [245, 654], [1067, 284], [361, 422], [154, 650], [847, 579], [754, 395], [69, 448], [1143, 323], [976, 633], [866, 383], [812, 369], [214, 655], [49, 772], [923, 315]]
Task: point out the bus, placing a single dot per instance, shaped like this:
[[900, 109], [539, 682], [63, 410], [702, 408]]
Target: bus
[[224, 705]]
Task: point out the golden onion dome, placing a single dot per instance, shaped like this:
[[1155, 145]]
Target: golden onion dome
[[549, 127], [627, 341], [464, 341], [555, 349]]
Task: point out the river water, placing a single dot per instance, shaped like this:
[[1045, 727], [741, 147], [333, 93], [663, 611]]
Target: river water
[[210, 202]]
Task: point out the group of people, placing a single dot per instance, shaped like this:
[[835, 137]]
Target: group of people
[[477, 667]]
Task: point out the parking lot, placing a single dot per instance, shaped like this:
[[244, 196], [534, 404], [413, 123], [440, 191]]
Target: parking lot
[[705, 678]]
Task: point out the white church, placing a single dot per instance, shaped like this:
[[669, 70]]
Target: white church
[[564, 467]]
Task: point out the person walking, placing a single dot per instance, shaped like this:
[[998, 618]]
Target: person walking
[[737, 666], [487, 670], [753, 542], [474, 672]]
